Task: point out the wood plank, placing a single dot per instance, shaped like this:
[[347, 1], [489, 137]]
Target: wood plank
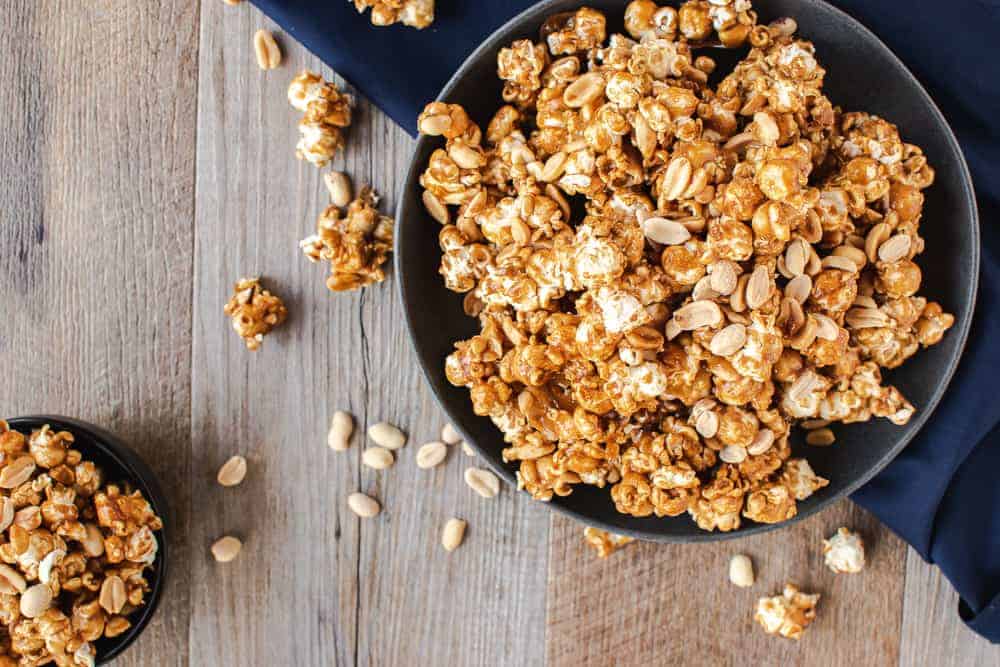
[[674, 603], [932, 632], [414, 598], [95, 241], [483, 604], [291, 596]]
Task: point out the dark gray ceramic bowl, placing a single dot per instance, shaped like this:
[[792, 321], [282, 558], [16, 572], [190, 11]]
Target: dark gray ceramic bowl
[[862, 74], [120, 464]]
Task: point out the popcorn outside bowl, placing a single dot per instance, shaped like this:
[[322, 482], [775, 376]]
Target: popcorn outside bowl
[[120, 464], [862, 74]]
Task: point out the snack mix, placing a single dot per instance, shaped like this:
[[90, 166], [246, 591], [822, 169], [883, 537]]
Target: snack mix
[[326, 112], [669, 276], [787, 614], [415, 13], [603, 542], [254, 311], [75, 551], [356, 243]]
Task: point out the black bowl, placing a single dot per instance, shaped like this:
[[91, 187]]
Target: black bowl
[[119, 464], [862, 74]]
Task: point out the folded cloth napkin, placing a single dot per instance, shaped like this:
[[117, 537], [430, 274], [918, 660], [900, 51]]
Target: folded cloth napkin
[[941, 493]]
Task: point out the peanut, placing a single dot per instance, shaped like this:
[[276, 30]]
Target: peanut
[[232, 472], [341, 428], [226, 549], [267, 50], [453, 534], [386, 435], [364, 506], [741, 571]]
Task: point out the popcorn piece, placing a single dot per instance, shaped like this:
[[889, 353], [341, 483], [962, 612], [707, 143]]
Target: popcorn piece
[[787, 614], [254, 311], [356, 244], [844, 552], [326, 111], [603, 542], [576, 31], [415, 13]]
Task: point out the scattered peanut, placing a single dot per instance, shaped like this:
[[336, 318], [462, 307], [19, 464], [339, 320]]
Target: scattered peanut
[[232, 472], [267, 50], [386, 435], [453, 534], [226, 549], [364, 506], [339, 186], [431, 455], [468, 450], [450, 435], [483, 482], [378, 458], [341, 428], [741, 571]]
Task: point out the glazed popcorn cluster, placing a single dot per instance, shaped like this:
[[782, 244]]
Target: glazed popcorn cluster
[[787, 614], [669, 276], [74, 551], [604, 543], [356, 243], [254, 312], [415, 13], [326, 112]]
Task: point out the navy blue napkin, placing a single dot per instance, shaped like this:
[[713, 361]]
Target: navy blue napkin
[[942, 493]]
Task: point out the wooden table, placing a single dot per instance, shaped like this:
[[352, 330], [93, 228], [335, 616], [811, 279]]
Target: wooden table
[[149, 163]]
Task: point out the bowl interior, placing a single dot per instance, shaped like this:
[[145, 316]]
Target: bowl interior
[[862, 74], [119, 464]]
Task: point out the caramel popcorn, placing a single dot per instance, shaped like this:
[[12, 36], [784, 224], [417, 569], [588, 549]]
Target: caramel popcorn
[[734, 261], [75, 552], [326, 112], [603, 542], [844, 552], [356, 243], [416, 13], [254, 311], [787, 614]]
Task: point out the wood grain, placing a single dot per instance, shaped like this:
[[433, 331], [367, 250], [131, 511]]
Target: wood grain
[[932, 632], [148, 164], [291, 596], [673, 604], [415, 598], [97, 197], [315, 585]]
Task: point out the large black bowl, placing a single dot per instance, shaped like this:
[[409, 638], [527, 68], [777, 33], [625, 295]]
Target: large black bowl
[[119, 464], [862, 74]]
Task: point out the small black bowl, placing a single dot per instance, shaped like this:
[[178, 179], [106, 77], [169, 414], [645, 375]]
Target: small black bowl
[[862, 74], [119, 464]]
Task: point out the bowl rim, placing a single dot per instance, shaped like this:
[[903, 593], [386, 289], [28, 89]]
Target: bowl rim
[[126, 458], [500, 36]]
